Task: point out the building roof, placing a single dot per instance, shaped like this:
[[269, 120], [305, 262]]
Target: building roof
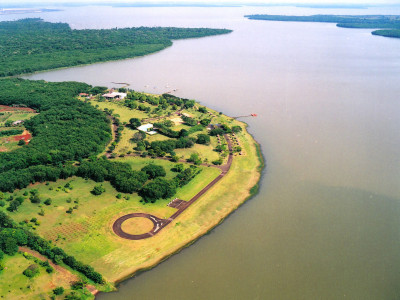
[[115, 95], [147, 129]]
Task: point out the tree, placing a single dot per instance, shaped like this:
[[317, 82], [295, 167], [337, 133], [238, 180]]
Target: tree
[[9, 245], [168, 123], [205, 122], [134, 123], [202, 109], [194, 158], [236, 129], [154, 171], [34, 198], [138, 137], [58, 291], [31, 271], [21, 143], [157, 189], [98, 190], [203, 139]]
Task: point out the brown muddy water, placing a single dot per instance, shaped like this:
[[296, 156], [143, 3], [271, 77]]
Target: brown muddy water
[[326, 222]]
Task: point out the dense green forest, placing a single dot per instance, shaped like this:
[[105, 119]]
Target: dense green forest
[[65, 129], [389, 22], [30, 45]]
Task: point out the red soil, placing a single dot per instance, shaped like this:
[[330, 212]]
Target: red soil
[[10, 108], [26, 137]]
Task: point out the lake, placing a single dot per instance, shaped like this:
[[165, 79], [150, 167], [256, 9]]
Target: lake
[[326, 222]]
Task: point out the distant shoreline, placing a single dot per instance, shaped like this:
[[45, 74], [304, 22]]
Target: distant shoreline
[[19, 11]]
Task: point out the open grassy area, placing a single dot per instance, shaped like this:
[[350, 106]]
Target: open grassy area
[[15, 285], [126, 145], [124, 112], [86, 233], [15, 116]]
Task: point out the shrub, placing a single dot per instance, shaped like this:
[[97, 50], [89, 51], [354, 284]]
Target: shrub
[[217, 162], [194, 158], [154, 171], [31, 271], [48, 201], [203, 139], [98, 190], [58, 290]]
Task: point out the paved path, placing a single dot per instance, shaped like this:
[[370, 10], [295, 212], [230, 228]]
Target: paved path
[[180, 205]]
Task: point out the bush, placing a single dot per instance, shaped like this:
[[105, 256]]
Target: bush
[[134, 123], [9, 245], [236, 129], [31, 271], [154, 171], [157, 189], [58, 290], [217, 162], [194, 158], [203, 139], [98, 190], [48, 201]]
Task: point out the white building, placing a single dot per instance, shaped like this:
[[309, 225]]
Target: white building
[[147, 128], [115, 95]]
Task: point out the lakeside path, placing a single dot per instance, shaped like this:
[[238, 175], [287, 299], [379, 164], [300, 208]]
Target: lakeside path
[[180, 205]]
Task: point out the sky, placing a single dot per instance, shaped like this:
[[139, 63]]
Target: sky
[[347, 2]]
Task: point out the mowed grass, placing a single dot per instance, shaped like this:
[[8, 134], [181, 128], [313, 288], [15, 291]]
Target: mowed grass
[[15, 116], [198, 219], [125, 113], [137, 225], [15, 285], [87, 232]]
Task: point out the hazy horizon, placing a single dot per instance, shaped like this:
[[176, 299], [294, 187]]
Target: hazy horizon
[[19, 3]]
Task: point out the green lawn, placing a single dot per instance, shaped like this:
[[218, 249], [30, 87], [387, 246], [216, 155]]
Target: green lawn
[[15, 116], [86, 233], [15, 285]]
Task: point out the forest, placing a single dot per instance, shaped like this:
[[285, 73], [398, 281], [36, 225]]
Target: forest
[[30, 45], [389, 22], [66, 129]]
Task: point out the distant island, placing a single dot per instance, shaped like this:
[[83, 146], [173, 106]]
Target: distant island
[[12, 11], [387, 25], [31, 45]]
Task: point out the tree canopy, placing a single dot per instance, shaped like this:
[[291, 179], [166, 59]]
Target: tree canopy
[[30, 45]]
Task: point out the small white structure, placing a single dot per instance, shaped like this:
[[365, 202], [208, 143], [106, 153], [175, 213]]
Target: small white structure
[[147, 128], [19, 122], [115, 95]]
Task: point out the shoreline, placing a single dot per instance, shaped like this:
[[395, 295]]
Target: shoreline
[[253, 191]]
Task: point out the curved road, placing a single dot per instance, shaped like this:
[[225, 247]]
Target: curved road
[[176, 203]]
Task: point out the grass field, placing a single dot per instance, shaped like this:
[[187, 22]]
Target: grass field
[[15, 285], [206, 152], [15, 116], [86, 233]]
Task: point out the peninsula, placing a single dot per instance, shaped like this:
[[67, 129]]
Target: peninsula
[[97, 184]]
